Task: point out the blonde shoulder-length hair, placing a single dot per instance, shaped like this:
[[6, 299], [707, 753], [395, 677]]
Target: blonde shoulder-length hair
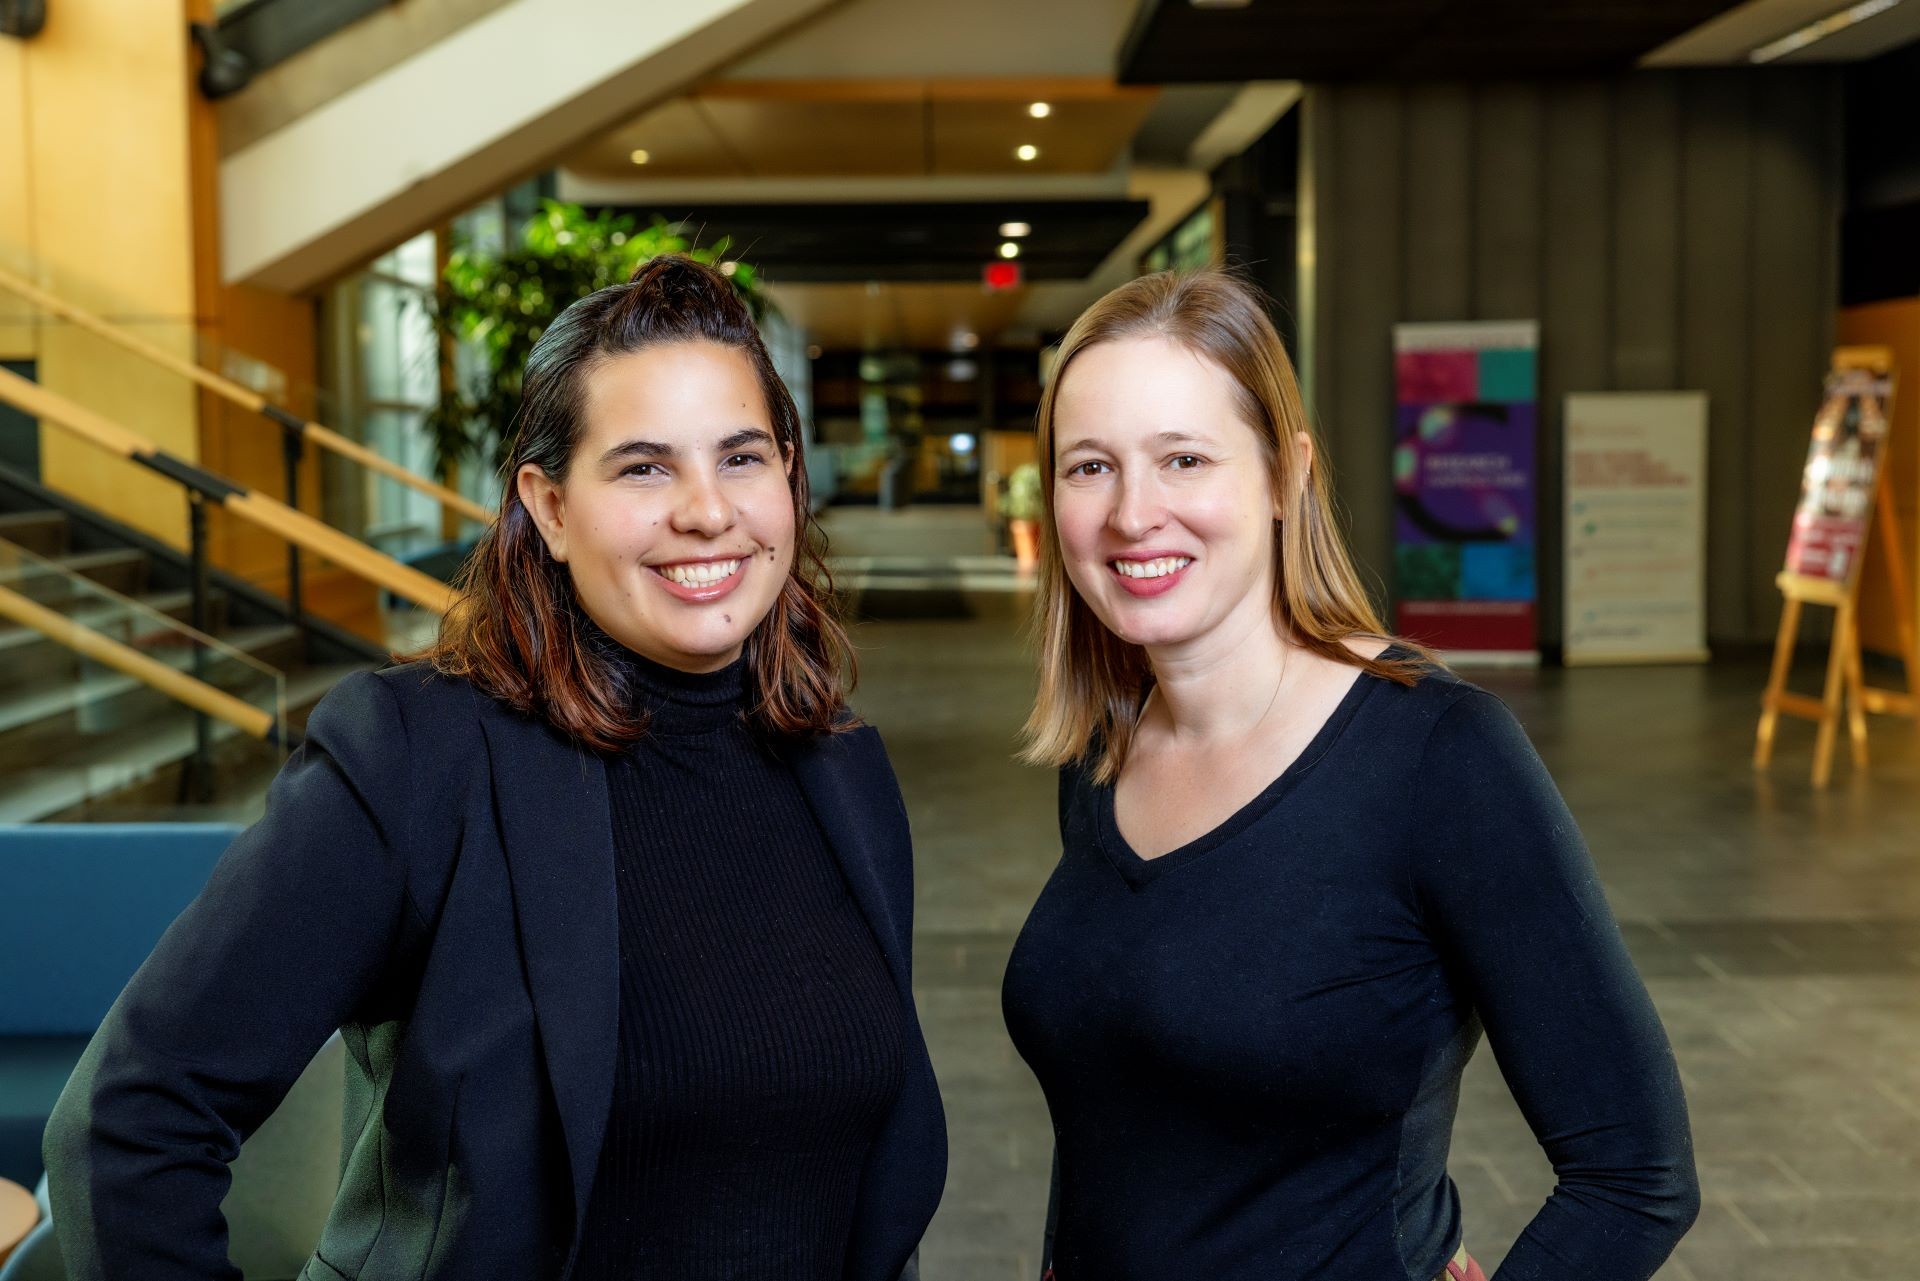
[[1092, 684]]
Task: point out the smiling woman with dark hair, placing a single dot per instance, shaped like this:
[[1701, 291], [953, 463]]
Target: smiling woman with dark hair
[[609, 896]]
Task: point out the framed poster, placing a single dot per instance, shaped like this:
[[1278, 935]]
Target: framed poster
[[1835, 510], [1464, 485], [1636, 527]]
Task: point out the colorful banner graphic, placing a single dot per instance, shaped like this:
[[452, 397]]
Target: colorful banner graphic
[[1464, 486], [1837, 485], [1636, 527]]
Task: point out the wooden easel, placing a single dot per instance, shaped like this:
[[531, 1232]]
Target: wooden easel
[[1846, 687]]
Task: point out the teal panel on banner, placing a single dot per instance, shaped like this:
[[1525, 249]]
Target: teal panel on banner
[[1509, 374]]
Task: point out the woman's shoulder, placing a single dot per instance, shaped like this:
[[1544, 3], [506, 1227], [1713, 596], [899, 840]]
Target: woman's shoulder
[[409, 707], [1436, 700]]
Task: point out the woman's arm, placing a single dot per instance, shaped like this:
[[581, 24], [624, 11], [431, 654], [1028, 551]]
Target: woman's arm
[[297, 922], [1509, 892]]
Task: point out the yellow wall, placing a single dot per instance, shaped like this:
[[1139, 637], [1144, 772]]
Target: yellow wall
[[109, 169], [16, 226], [100, 210], [1894, 324]]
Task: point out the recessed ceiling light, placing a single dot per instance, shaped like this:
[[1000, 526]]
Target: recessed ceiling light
[[1012, 229], [639, 156], [1009, 250], [1040, 110], [1027, 151]]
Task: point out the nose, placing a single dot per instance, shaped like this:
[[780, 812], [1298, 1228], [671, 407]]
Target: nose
[[1137, 508], [704, 508]]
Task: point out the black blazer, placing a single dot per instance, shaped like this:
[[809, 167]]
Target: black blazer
[[434, 877]]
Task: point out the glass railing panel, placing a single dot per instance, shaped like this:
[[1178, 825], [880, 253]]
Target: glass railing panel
[[83, 737]]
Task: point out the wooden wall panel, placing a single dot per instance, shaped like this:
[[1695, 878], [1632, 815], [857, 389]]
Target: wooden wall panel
[[108, 199], [1795, 198], [1669, 230], [17, 339], [1646, 234], [1716, 293], [1437, 199], [1576, 306], [1509, 177], [1363, 247]]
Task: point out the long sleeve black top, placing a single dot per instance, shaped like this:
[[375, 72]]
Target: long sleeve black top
[[762, 1042], [1252, 1045]]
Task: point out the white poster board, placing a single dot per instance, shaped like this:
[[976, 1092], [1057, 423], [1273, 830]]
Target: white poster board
[[1636, 527]]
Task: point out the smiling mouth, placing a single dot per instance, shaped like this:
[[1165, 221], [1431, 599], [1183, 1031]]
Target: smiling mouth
[[1158, 568], [700, 573]]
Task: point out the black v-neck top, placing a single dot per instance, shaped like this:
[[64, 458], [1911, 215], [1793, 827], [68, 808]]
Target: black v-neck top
[[762, 1041], [1139, 871], [1252, 1045]]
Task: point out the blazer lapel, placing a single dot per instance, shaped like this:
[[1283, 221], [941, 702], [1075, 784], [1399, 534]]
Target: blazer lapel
[[849, 786], [552, 802]]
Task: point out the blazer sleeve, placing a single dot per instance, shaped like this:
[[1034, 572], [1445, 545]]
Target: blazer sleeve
[[294, 928], [1510, 894]]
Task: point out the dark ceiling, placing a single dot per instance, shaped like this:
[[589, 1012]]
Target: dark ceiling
[[1172, 41], [808, 244]]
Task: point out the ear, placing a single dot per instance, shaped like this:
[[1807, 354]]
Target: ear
[[786, 458], [542, 498]]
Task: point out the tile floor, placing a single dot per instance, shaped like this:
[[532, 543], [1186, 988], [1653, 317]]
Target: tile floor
[[1778, 929]]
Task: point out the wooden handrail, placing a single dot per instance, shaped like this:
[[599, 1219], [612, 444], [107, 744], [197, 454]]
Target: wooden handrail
[[145, 668], [245, 397], [268, 513]]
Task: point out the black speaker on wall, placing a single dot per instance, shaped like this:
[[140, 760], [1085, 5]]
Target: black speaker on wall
[[22, 18]]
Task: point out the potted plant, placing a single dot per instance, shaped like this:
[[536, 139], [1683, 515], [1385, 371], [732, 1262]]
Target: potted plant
[[1022, 508], [491, 307]]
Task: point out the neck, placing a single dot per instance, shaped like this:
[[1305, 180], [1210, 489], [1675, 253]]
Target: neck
[[1220, 686]]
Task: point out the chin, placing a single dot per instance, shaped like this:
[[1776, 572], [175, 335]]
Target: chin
[[713, 650], [1136, 626]]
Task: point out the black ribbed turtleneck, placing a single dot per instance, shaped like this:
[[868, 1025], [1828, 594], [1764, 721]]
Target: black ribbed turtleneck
[[761, 1039]]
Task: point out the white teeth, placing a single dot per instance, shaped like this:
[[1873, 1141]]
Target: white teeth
[[1152, 568], [703, 574]]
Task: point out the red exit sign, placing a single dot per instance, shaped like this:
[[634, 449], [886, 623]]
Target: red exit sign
[[1000, 275]]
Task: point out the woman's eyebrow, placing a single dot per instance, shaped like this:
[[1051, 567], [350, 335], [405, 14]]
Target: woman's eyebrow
[[637, 449], [657, 449], [1163, 437], [746, 436]]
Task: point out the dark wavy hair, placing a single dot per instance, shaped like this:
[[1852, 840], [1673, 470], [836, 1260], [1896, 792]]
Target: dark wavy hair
[[516, 628]]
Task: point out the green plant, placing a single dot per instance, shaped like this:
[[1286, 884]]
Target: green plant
[[1023, 493], [492, 308]]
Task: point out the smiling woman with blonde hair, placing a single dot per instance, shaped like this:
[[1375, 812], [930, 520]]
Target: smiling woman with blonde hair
[[1304, 867]]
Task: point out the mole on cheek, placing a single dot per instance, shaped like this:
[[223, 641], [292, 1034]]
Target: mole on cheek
[[726, 618]]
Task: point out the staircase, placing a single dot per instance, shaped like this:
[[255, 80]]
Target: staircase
[[82, 742]]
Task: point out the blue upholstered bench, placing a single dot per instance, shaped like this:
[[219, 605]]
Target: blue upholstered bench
[[81, 905]]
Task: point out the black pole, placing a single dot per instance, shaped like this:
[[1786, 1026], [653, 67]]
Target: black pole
[[196, 783], [292, 449]]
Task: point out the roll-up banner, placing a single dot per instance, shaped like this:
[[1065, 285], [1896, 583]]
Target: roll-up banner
[[1465, 484], [1636, 527]]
